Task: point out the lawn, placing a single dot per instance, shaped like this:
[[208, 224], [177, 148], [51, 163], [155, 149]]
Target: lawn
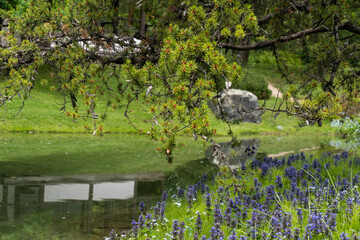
[[41, 113]]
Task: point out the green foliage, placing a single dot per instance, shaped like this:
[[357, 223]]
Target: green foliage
[[8, 4], [189, 71], [263, 57], [254, 83], [350, 131]]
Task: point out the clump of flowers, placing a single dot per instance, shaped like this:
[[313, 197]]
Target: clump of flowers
[[295, 198]]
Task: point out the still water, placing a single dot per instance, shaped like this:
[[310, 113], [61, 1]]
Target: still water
[[64, 208], [40, 201]]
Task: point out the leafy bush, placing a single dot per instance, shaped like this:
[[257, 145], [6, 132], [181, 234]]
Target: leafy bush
[[295, 198], [350, 131], [267, 57], [255, 83]]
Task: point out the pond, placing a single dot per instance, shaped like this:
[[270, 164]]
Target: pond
[[66, 186]]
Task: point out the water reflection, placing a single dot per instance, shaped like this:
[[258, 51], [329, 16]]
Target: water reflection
[[91, 204], [237, 152]]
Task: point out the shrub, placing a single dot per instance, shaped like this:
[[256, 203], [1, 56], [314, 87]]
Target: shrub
[[255, 83], [350, 131]]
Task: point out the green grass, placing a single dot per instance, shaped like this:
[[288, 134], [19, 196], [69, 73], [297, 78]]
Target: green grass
[[41, 113], [65, 154]]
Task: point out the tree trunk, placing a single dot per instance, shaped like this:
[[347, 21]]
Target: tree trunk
[[143, 22], [131, 11], [243, 56]]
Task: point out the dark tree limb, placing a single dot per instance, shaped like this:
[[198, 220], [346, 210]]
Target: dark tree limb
[[349, 26]]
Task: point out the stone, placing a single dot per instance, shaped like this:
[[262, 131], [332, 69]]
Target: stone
[[235, 105], [4, 27]]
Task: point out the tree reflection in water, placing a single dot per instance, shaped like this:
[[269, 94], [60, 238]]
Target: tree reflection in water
[[92, 205]]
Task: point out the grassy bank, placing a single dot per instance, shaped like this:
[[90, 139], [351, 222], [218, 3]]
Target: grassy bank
[[74, 154], [41, 113], [67, 154]]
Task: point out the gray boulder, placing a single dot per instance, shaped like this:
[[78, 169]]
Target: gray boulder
[[5, 28], [235, 105]]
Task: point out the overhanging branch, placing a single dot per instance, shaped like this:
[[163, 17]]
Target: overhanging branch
[[349, 26], [269, 43]]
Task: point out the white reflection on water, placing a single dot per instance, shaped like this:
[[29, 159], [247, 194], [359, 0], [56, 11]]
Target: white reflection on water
[[101, 191]]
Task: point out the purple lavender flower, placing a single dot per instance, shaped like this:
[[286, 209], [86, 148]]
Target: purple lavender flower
[[164, 196], [330, 219], [297, 234], [208, 201], [243, 167], [316, 223], [254, 233], [327, 165], [142, 207], [264, 236], [232, 236], [141, 221], [264, 169], [355, 180], [218, 217], [250, 150], [159, 211], [304, 183], [180, 193], [148, 220], [278, 182], [198, 223], [349, 206], [216, 232], [256, 182], [244, 215], [227, 214], [300, 215], [134, 228], [270, 194], [343, 236], [290, 172], [220, 190], [190, 196], [196, 236], [175, 229], [286, 223], [181, 230], [112, 235], [288, 233], [275, 225]]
